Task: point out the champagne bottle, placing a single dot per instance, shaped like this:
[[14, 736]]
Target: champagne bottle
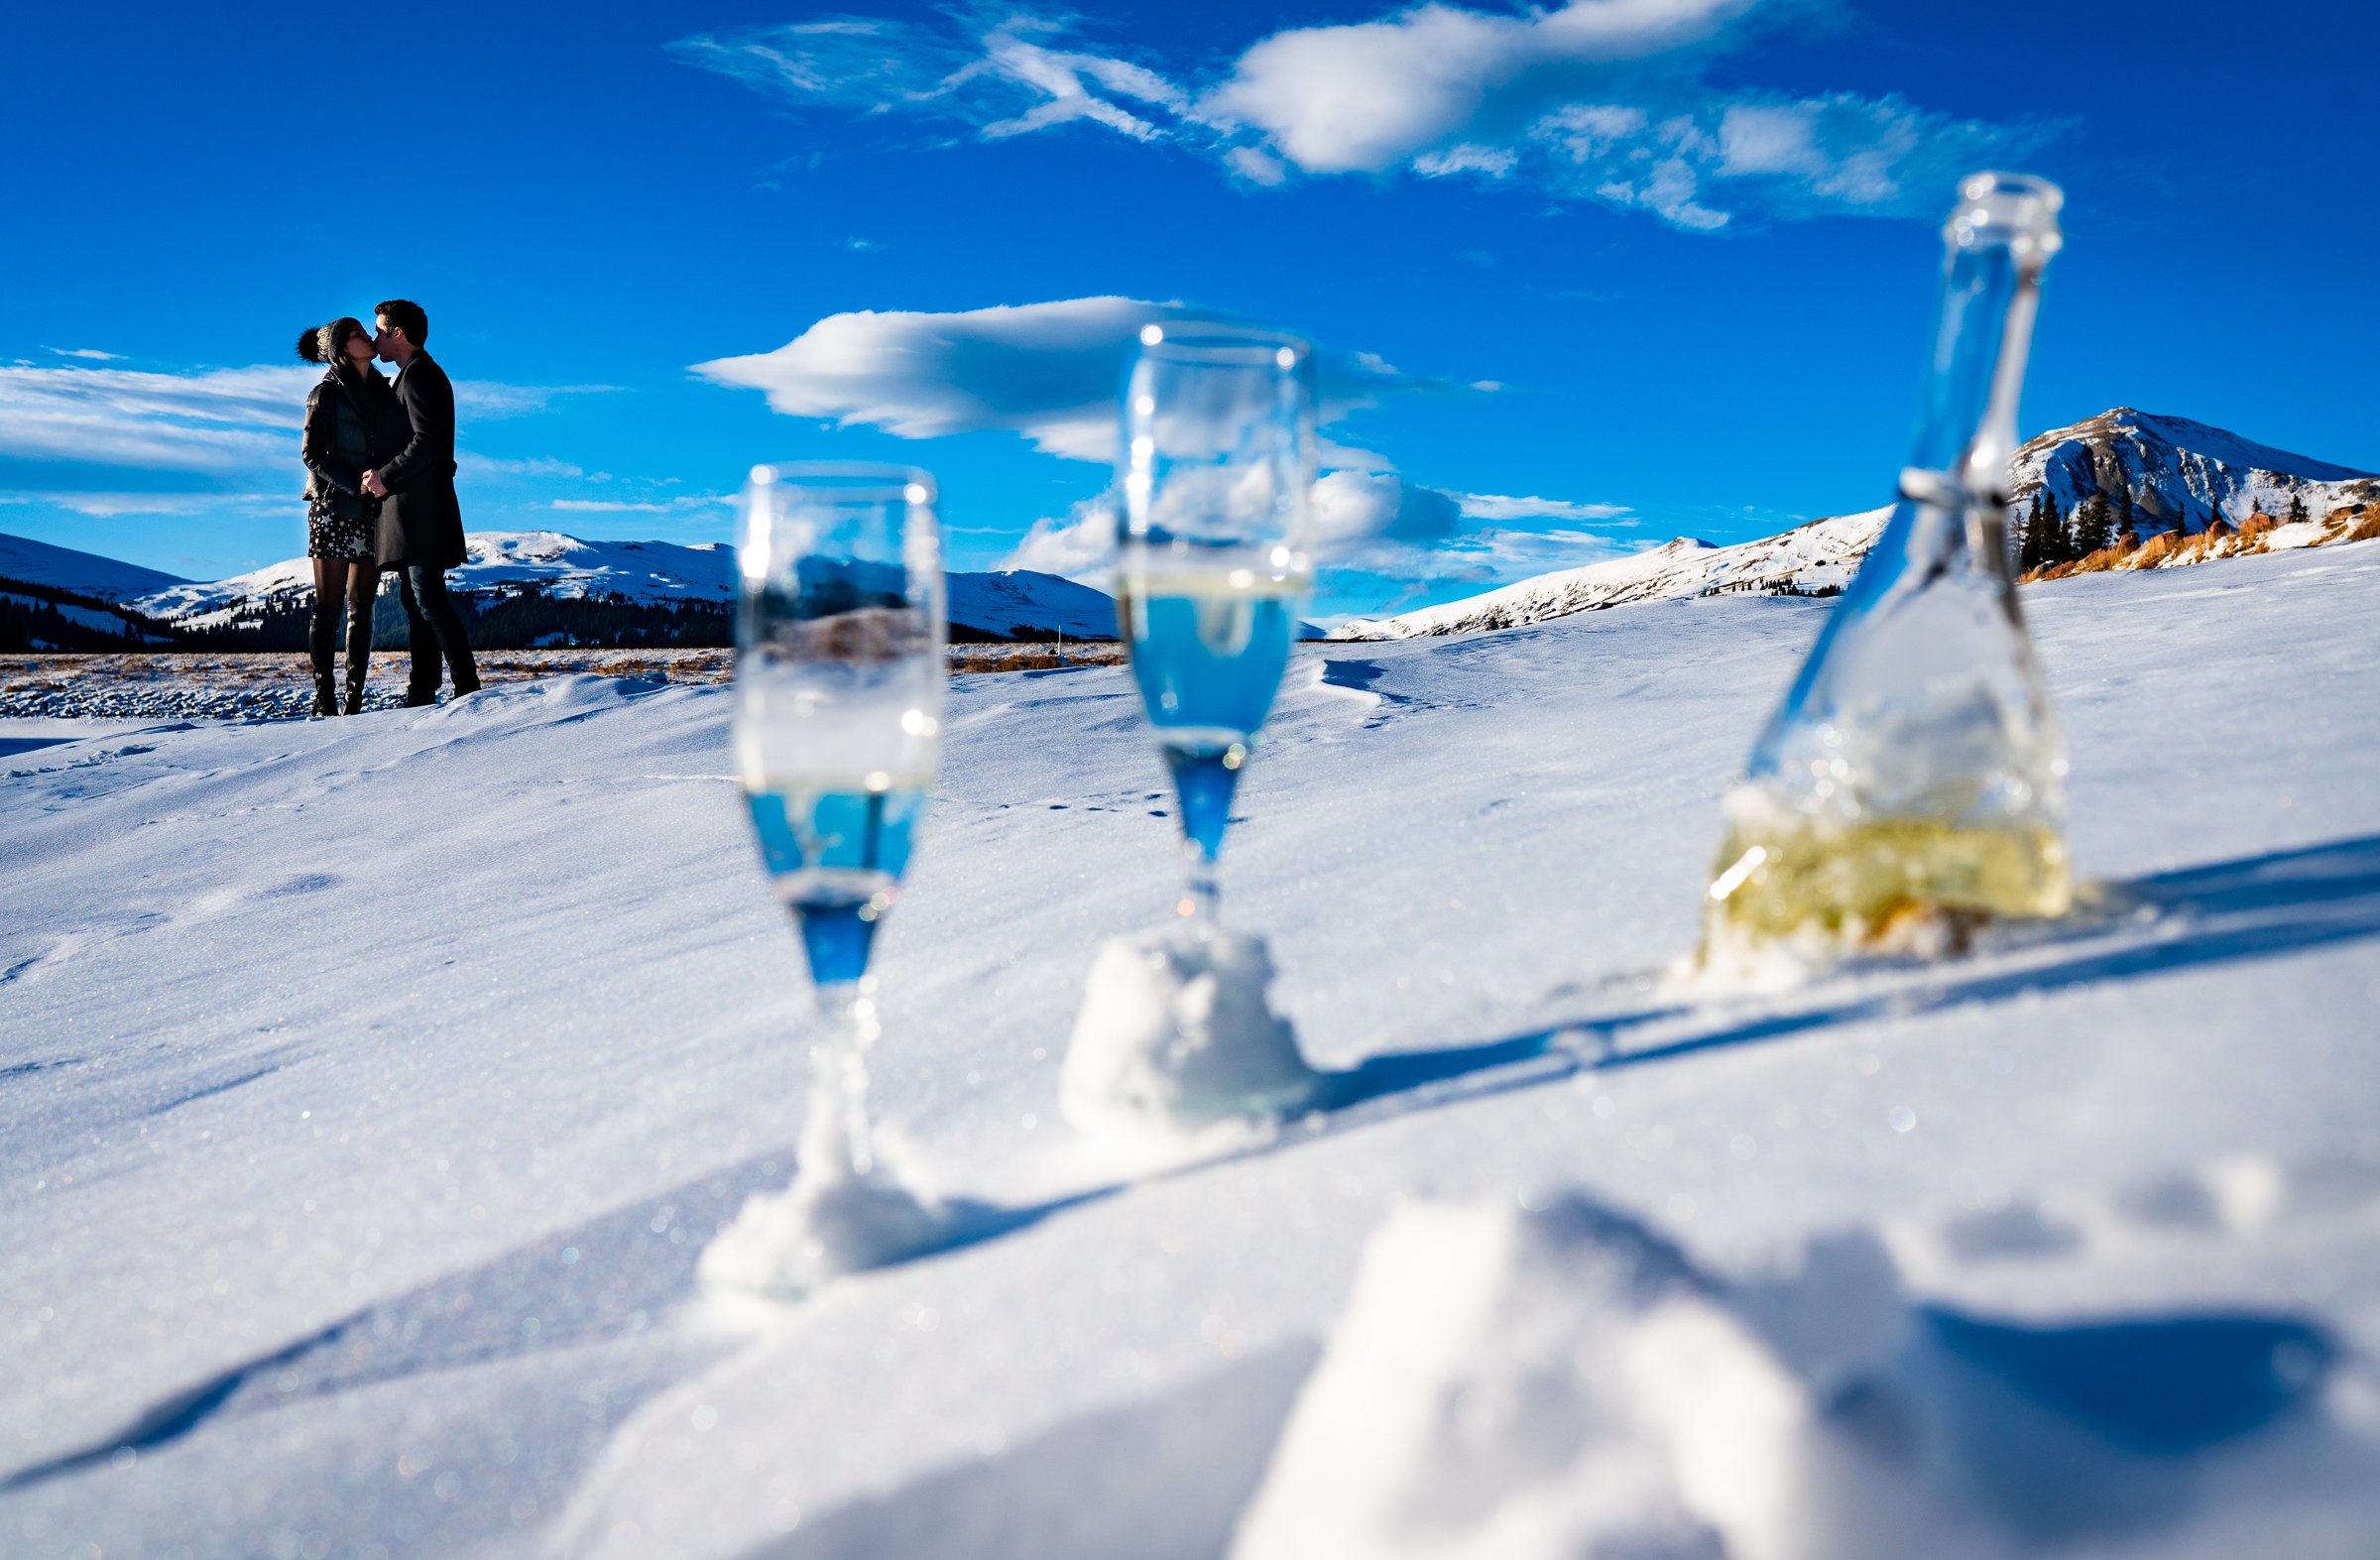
[[1911, 786]]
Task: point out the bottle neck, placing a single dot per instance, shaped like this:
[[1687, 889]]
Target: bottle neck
[[1967, 424]]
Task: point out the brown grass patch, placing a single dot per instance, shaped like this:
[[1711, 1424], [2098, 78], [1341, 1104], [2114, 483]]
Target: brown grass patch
[[2098, 563], [2362, 522]]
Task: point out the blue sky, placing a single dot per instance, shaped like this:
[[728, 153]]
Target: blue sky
[[1596, 274]]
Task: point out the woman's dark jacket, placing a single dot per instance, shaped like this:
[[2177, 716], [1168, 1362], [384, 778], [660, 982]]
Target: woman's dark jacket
[[421, 521], [352, 424]]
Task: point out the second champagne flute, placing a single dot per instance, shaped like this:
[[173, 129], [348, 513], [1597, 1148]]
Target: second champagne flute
[[1212, 569], [838, 718]]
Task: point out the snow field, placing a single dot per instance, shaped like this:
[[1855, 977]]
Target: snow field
[[337, 1054]]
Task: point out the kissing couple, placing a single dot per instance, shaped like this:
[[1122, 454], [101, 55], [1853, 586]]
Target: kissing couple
[[380, 494]]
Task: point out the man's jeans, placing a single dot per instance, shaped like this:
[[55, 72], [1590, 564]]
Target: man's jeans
[[433, 625]]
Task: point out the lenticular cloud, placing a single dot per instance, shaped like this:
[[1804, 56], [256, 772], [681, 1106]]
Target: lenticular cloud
[[1046, 371]]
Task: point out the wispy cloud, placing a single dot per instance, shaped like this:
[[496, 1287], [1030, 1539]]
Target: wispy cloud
[[217, 420], [1497, 506], [106, 505], [93, 354], [1603, 100], [1046, 371], [206, 422], [533, 467], [1375, 525], [1005, 79], [610, 506]]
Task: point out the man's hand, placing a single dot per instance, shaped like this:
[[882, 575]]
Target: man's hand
[[374, 486]]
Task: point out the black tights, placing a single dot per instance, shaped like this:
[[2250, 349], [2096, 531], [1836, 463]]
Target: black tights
[[322, 630]]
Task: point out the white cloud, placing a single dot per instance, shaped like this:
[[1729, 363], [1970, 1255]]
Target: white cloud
[[1355, 512], [1494, 161], [214, 421], [1373, 525], [541, 467], [1601, 100], [105, 505], [1386, 527], [492, 402], [1257, 166], [1079, 547], [1004, 83], [1497, 506], [204, 422], [93, 354], [1375, 95], [854, 62], [1046, 371], [623, 506]]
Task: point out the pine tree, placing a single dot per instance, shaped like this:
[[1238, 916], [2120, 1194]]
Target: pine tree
[[2124, 518], [2297, 506], [2093, 521], [2027, 536], [2054, 548]]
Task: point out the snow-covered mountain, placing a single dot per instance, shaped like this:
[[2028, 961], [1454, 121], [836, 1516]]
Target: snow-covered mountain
[[2176, 468], [499, 563], [1026, 604], [84, 574], [1016, 604], [1813, 559], [2178, 472]]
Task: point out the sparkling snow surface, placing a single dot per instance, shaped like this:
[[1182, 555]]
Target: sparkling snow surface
[[370, 1086]]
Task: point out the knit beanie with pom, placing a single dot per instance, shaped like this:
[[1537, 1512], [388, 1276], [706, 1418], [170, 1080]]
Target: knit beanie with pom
[[326, 343]]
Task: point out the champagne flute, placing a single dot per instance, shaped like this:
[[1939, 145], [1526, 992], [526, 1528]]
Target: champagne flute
[[840, 664], [1212, 569]]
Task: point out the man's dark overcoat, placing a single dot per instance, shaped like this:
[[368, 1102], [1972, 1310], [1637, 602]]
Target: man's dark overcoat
[[421, 521]]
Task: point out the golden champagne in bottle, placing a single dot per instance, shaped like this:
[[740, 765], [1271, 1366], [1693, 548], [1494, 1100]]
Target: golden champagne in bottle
[[1911, 786]]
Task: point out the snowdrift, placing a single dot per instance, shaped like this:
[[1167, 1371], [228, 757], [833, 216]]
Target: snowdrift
[[370, 1088]]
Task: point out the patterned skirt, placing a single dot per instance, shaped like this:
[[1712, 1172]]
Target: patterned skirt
[[331, 535]]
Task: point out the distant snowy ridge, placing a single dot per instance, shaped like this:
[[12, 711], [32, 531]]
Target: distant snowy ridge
[[1816, 559], [84, 574], [2181, 475], [1016, 604]]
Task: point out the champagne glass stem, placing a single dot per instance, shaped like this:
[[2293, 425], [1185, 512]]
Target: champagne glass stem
[[1201, 899], [1204, 783], [838, 1125]]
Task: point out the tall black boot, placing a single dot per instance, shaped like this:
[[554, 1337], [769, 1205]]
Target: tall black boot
[[359, 651], [319, 635], [463, 668]]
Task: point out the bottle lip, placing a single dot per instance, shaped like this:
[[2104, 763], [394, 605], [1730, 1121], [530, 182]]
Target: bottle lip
[[2002, 207]]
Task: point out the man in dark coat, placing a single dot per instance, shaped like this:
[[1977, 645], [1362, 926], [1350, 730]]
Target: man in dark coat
[[420, 531]]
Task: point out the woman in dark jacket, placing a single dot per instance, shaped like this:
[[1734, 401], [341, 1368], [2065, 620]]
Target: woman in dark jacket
[[352, 424]]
